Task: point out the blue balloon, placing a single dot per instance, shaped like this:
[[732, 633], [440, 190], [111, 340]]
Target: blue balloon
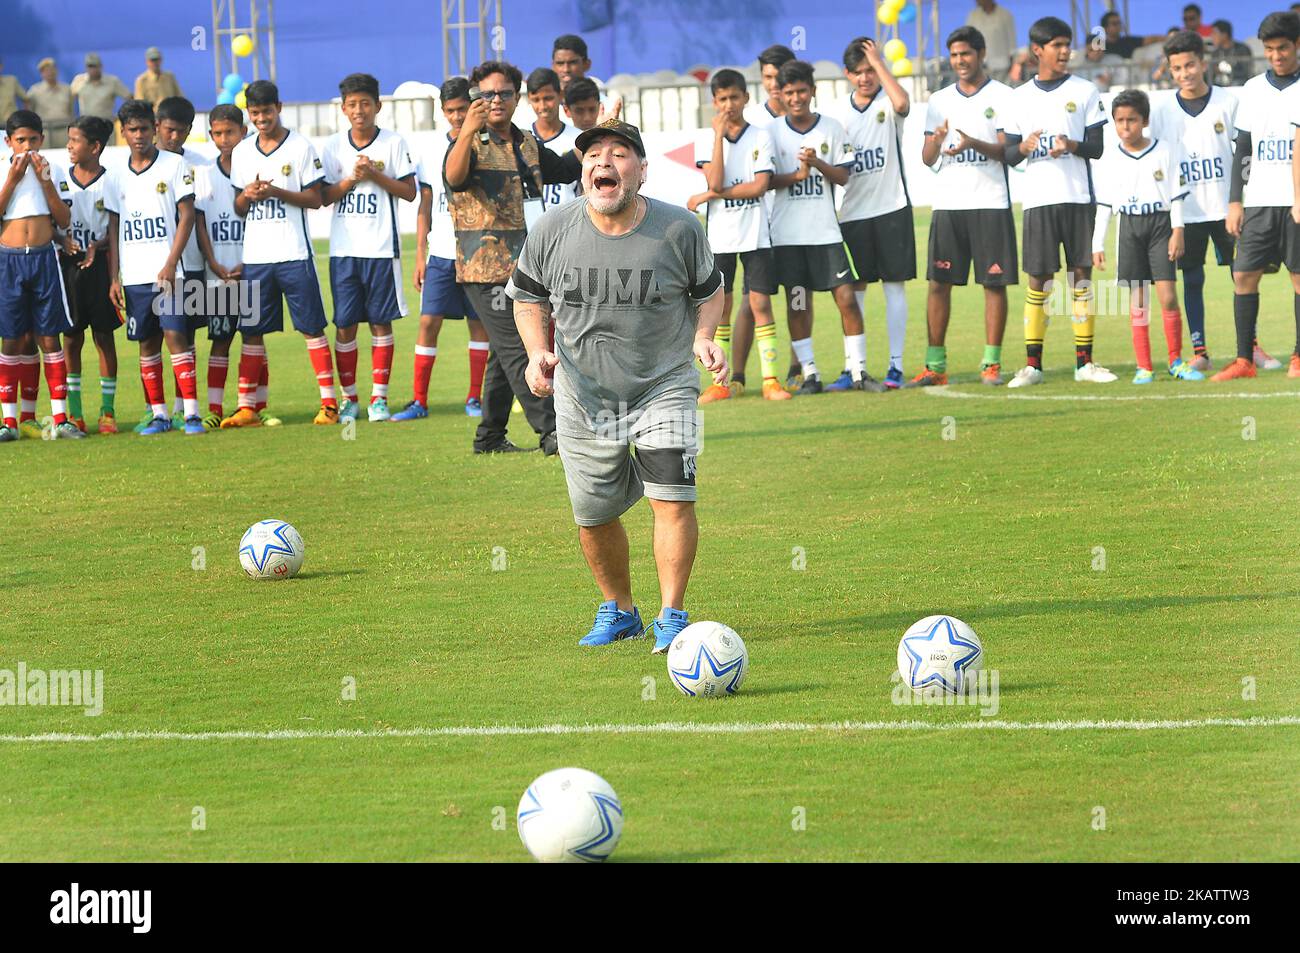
[[225, 98], [233, 82], [907, 14]]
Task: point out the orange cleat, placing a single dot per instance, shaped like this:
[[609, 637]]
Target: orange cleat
[[243, 417], [992, 375], [928, 378], [80, 422], [715, 392], [328, 414], [1294, 369], [1240, 367], [772, 390], [107, 424]]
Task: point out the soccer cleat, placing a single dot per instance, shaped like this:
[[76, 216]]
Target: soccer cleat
[[347, 411], [1026, 377], [505, 446], [30, 429], [1294, 369], [1264, 362], [869, 384], [1143, 376], [157, 425], [1094, 374], [1184, 371], [928, 378], [1239, 367], [412, 411], [80, 422], [8, 434], [613, 624], [715, 392], [772, 390], [178, 421], [243, 417], [212, 421], [66, 431], [991, 375], [378, 411], [194, 426], [107, 424], [667, 627], [328, 414], [843, 382], [894, 378], [737, 388], [473, 407], [811, 385], [1202, 363], [145, 421], [268, 419]]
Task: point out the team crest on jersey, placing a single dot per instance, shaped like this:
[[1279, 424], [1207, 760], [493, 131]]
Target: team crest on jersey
[[63, 186], [188, 178], [988, 113], [1070, 107], [316, 162], [880, 116], [99, 205], [1218, 126], [1159, 175], [755, 155], [826, 147], [162, 187], [379, 164], [286, 169]]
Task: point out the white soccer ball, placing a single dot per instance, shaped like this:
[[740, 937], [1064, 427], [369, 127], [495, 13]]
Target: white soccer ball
[[570, 816], [271, 549], [707, 659], [939, 653]]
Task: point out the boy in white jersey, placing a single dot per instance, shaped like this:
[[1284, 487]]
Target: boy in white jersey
[[812, 154], [33, 203], [84, 258], [1260, 199], [545, 97], [972, 221], [736, 158], [150, 199], [279, 177], [1202, 119], [435, 246], [1142, 183], [1056, 131], [367, 170], [876, 212]]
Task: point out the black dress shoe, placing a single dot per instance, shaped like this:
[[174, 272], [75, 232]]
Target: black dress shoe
[[550, 445], [505, 446]]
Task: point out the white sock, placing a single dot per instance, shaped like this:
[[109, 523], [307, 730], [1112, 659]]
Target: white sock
[[895, 321], [855, 355], [803, 352], [191, 406]]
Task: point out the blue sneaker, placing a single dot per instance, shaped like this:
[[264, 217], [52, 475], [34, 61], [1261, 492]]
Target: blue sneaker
[[159, 425], [473, 408], [613, 624], [667, 627], [1143, 376], [1184, 371], [894, 379], [412, 411], [194, 426], [348, 411], [843, 382]]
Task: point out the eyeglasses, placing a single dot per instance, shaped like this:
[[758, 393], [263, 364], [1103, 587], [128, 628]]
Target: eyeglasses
[[505, 95]]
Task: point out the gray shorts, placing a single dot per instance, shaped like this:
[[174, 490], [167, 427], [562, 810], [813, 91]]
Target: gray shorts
[[613, 459]]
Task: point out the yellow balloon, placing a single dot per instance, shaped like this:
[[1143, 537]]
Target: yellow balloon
[[242, 101], [242, 45], [888, 15], [897, 5], [901, 67], [895, 50]]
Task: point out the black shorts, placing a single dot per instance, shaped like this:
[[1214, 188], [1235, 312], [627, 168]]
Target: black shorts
[[812, 267], [1196, 240], [882, 248], [1143, 253], [1269, 238], [985, 237], [87, 289], [1048, 228], [760, 273]]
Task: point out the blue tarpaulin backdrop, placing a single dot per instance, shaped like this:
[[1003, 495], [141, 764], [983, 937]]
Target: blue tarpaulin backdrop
[[318, 41]]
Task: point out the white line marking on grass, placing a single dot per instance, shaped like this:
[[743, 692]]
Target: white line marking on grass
[[659, 728], [945, 391]]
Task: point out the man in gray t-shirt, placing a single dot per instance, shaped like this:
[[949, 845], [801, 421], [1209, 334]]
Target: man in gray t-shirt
[[632, 288]]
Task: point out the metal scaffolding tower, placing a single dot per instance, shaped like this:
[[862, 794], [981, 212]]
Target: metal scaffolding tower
[[467, 42], [259, 25]]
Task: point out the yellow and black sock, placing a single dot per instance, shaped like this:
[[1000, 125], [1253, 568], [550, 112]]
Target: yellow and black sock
[[1084, 325], [1035, 326], [765, 336], [722, 337]]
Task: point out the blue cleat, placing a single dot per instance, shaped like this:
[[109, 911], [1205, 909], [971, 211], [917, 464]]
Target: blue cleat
[[894, 379], [412, 411], [1143, 376], [668, 626], [843, 382], [473, 408], [194, 426], [1184, 371], [612, 624], [348, 410], [157, 426]]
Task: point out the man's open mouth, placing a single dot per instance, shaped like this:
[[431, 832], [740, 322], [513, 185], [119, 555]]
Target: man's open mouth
[[604, 183]]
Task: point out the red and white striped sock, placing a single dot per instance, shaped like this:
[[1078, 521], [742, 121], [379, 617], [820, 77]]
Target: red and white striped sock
[[1173, 334], [424, 359], [56, 378], [381, 366], [318, 349], [252, 358], [9, 389], [29, 384], [218, 370], [345, 357], [187, 383], [263, 383], [478, 358], [151, 376]]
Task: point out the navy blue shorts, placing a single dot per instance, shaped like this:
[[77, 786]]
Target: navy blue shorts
[[366, 290], [274, 284], [442, 295], [31, 293], [150, 312], [227, 305]]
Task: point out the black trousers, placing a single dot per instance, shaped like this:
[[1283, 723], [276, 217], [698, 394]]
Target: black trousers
[[503, 380]]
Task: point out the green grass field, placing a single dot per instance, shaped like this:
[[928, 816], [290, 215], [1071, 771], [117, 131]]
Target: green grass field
[[1197, 603]]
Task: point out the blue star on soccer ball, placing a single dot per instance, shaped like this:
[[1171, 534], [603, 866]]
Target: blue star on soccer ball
[[280, 544], [941, 635], [703, 655], [604, 804]]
